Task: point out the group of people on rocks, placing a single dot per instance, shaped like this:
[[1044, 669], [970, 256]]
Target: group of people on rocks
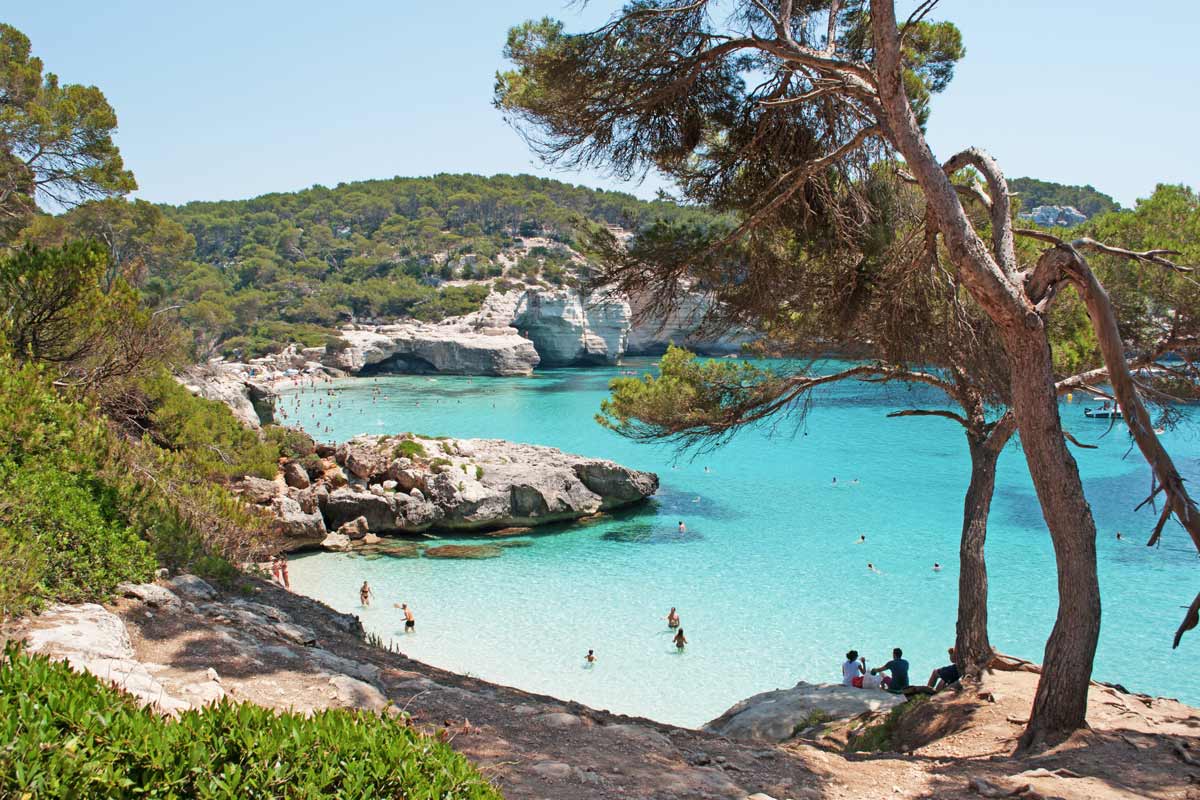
[[856, 674]]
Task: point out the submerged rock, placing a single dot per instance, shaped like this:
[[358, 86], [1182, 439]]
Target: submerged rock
[[464, 551]]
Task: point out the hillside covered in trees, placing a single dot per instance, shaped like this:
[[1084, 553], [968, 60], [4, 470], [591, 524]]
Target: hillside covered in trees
[[251, 275], [1033, 193]]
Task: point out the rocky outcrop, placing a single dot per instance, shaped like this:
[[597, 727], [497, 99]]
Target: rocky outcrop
[[1060, 216], [452, 347], [779, 715], [569, 328], [233, 385], [401, 485], [684, 327], [92, 639]]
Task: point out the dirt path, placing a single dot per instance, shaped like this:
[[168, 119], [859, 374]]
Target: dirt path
[[258, 646]]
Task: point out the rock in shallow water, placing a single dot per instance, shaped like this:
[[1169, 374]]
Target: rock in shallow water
[[464, 551]]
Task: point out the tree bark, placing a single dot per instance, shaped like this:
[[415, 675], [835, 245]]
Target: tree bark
[[972, 647], [1060, 705]]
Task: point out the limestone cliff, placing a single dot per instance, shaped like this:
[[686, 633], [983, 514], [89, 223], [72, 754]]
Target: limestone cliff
[[569, 328], [453, 348]]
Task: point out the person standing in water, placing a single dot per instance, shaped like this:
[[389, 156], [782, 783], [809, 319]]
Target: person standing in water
[[364, 594], [590, 658], [682, 527], [680, 641], [410, 622], [672, 618]]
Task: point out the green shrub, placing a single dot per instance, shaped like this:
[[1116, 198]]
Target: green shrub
[[879, 737], [409, 448], [67, 735], [64, 530], [478, 473], [440, 464], [218, 446], [447, 448], [291, 442]]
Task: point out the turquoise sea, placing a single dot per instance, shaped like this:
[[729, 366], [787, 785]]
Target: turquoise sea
[[769, 579]]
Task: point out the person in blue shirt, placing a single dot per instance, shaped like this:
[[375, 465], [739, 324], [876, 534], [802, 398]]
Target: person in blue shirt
[[898, 680]]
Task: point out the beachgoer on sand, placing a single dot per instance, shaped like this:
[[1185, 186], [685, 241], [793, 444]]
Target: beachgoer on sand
[[943, 677], [853, 669], [898, 667]]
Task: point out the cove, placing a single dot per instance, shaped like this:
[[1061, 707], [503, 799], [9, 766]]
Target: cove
[[768, 578]]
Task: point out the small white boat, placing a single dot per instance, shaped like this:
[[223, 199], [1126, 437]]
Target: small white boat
[[1104, 412]]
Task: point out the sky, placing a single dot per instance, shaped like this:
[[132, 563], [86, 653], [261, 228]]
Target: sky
[[230, 99]]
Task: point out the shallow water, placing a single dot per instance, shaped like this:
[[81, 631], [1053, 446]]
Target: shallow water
[[769, 579]]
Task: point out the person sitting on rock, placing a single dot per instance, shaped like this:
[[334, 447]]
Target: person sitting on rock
[[946, 676], [898, 666], [853, 669]]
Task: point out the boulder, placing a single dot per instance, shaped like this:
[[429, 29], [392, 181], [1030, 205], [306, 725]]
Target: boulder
[[353, 693], [362, 461], [192, 588], [354, 529], [151, 594], [336, 541], [295, 475], [259, 491], [300, 527], [775, 716], [464, 551]]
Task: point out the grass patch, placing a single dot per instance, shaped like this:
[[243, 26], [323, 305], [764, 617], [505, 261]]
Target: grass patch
[[879, 737], [69, 735], [410, 449], [815, 717]]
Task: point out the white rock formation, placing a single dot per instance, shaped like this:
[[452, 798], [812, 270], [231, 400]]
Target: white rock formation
[[774, 716], [229, 384], [569, 328], [452, 347], [93, 639], [683, 327], [455, 484]]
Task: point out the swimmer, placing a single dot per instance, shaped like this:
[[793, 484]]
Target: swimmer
[[1119, 539], [682, 527], [590, 658], [937, 567], [873, 568], [834, 481], [672, 618], [697, 499], [862, 539], [680, 641]]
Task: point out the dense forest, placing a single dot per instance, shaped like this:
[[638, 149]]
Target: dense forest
[[1033, 193], [251, 275]]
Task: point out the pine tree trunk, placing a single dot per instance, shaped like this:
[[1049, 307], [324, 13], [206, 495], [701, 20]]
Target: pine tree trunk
[[972, 648], [1060, 705]]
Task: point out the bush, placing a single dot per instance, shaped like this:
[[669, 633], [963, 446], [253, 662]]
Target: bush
[[64, 530], [409, 448], [218, 446], [67, 734], [440, 465], [291, 442], [478, 473]]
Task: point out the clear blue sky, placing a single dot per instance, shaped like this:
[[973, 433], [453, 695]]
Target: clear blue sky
[[233, 99]]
